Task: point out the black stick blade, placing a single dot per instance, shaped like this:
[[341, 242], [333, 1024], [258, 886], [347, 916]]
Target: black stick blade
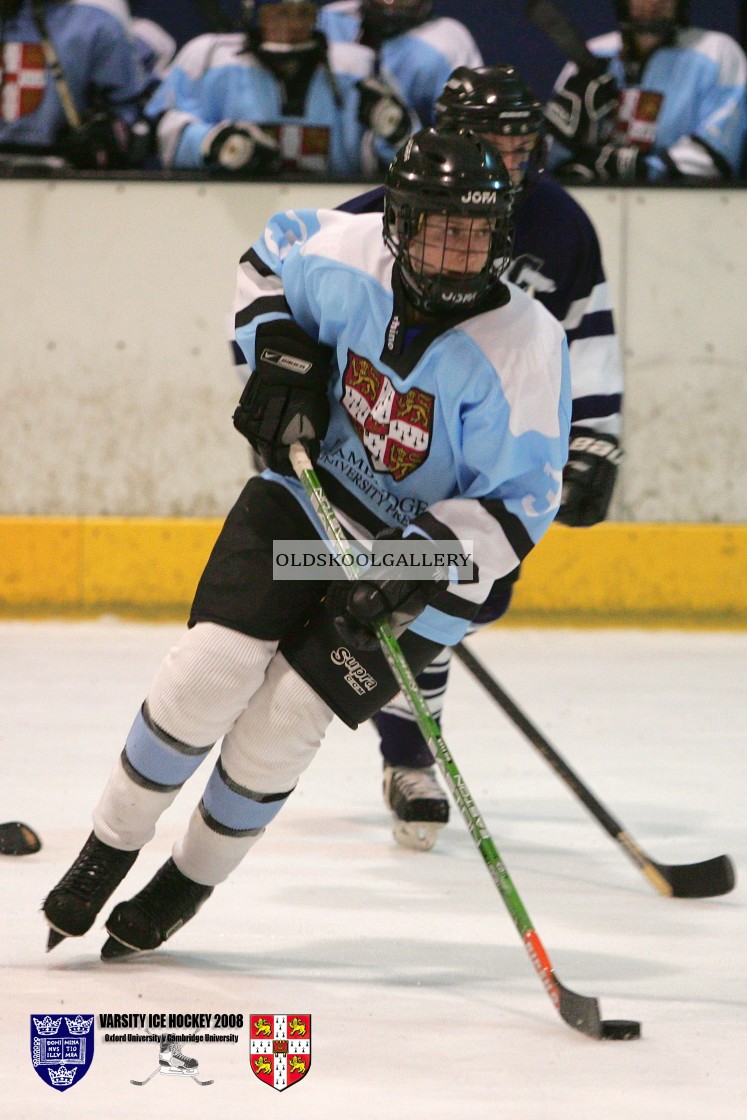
[[582, 1013], [707, 879]]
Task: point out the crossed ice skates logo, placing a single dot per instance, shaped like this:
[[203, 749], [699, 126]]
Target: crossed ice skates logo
[[172, 1061]]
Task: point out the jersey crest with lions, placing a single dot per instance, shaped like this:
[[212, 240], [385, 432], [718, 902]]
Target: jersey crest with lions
[[395, 428]]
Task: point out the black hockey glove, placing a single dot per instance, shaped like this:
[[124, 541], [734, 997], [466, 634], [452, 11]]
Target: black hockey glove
[[241, 146], [285, 398], [588, 478], [609, 164], [580, 112], [381, 110], [359, 607], [102, 142]]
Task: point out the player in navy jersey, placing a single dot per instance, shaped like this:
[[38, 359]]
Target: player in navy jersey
[[556, 257], [670, 103], [435, 400], [99, 62], [418, 51], [275, 97]]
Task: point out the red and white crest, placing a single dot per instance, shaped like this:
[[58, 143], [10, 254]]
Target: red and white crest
[[280, 1048], [395, 428], [637, 121], [25, 80]]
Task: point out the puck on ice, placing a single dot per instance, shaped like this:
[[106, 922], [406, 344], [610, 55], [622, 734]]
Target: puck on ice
[[621, 1028]]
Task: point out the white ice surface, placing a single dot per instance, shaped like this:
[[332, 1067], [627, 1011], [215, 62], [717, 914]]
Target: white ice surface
[[423, 1000]]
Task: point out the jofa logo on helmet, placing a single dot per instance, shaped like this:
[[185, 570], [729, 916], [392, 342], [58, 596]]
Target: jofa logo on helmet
[[483, 198]]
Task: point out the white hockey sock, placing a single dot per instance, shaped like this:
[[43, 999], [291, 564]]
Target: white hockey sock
[[270, 745], [201, 687]]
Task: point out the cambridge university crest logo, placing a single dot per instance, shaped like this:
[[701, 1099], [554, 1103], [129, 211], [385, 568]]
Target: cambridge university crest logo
[[62, 1048], [280, 1048]]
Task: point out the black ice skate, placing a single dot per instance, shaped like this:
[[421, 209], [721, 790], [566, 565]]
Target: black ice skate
[[419, 805], [155, 913], [71, 907]]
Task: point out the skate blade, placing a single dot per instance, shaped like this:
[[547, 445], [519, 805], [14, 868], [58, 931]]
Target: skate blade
[[114, 950], [54, 939], [418, 835]]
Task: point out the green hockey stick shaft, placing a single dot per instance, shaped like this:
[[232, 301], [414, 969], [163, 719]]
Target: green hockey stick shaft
[[580, 1012]]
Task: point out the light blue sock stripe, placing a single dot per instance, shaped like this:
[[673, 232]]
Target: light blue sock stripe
[[236, 810], [159, 760]]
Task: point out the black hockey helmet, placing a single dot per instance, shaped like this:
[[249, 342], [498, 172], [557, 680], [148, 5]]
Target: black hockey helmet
[[285, 57], [494, 100], [457, 175], [656, 25], [387, 18]]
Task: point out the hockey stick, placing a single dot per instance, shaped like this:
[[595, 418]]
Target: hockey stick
[[680, 880], [580, 1012], [556, 25], [72, 116], [148, 1078]]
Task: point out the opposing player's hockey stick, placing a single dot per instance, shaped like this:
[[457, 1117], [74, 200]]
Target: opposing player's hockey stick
[[556, 25], [580, 1012], [680, 880]]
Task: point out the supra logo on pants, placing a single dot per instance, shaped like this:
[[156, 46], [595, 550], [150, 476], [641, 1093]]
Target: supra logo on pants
[[357, 677], [285, 361]]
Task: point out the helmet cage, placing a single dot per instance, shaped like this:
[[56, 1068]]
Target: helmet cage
[[394, 17], [661, 27], [439, 292]]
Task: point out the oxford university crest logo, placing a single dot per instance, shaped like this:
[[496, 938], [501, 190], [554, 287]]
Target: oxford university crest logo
[[62, 1048], [280, 1048]]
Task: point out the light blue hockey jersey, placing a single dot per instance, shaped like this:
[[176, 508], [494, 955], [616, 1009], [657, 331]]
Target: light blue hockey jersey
[[214, 79], [462, 435], [96, 52], [689, 109], [421, 60]]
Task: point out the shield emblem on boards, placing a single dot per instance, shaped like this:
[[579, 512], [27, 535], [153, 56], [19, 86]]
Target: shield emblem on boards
[[62, 1048], [280, 1048]]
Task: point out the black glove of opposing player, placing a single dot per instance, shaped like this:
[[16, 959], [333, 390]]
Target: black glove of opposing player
[[580, 111], [285, 399], [588, 478], [358, 607], [609, 164]]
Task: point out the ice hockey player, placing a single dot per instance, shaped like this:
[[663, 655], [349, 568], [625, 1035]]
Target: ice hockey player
[[435, 401], [420, 52], [274, 97], [556, 257], [670, 104], [99, 63]]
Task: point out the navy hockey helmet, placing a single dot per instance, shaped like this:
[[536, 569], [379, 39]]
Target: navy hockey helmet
[[388, 18], [447, 219], [656, 23], [495, 101]]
